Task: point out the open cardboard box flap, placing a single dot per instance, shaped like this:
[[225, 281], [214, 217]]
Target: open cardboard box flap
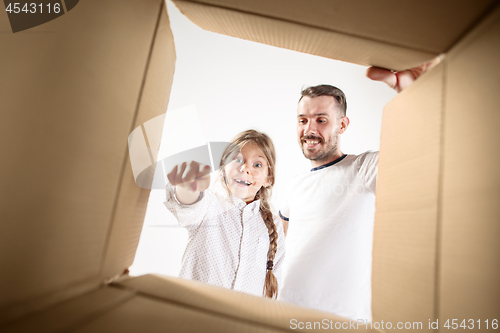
[[77, 86], [158, 303], [390, 34], [72, 215]]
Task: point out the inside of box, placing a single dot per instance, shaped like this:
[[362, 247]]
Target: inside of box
[[258, 83]]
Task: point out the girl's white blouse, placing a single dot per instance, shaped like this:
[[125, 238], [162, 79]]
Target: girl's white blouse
[[228, 241]]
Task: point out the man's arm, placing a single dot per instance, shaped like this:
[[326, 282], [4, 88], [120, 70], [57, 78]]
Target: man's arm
[[285, 225]]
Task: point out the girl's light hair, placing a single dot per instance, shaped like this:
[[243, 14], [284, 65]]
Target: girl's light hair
[[265, 144]]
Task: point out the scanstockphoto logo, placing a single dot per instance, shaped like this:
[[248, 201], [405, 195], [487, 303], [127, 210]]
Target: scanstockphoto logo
[[150, 172], [25, 15]]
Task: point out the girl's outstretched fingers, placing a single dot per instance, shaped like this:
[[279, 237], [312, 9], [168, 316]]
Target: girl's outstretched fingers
[[171, 176], [189, 179], [203, 178], [193, 179], [175, 176]]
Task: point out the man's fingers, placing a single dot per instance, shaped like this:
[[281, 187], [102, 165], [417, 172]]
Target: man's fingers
[[406, 78], [402, 79], [383, 75], [434, 62]]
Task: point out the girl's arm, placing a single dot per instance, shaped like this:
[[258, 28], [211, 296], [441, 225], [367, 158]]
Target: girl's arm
[[183, 200], [189, 183]]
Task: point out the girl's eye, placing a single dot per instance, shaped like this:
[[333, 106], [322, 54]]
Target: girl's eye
[[257, 165], [238, 160]]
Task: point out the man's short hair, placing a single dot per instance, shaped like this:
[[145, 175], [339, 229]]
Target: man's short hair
[[327, 90]]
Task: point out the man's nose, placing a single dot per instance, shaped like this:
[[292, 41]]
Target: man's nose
[[310, 128]]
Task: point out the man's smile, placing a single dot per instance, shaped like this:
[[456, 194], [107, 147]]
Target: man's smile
[[311, 143]]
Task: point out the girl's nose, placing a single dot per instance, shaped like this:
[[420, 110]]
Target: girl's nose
[[244, 168]]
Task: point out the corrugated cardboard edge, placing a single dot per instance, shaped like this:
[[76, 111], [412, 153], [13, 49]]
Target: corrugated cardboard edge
[[230, 304], [469, 267], [131, 200], [410, 24], [152, 303], [302, 38], [406, 216]]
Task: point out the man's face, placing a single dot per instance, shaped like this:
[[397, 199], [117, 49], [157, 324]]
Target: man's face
[[318, 128]]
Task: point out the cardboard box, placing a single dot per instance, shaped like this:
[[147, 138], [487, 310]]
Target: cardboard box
[[74, 88]]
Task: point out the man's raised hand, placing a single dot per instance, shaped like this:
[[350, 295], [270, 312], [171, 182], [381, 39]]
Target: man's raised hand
[[402, 79]]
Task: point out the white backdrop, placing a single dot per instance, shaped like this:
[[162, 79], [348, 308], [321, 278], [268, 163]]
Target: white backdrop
[[224, 85]]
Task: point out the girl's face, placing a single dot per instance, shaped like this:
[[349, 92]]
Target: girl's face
[[247, 172]]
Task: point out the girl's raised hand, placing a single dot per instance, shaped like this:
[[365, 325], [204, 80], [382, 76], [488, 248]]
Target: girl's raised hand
[[190, 178]]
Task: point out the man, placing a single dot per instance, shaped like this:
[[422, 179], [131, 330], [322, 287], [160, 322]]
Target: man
[[330, 210]]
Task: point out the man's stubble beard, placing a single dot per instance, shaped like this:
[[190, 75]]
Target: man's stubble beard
[[329, 148]]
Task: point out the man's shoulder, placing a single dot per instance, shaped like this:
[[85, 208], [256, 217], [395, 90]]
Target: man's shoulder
[[366, 154], [368, 157]]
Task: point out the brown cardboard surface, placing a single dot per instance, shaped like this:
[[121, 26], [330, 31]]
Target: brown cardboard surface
[[411, 24], [391, 34], [469, 275], [217, 300], [73, 313], [132, 200], [166, 304], [221, 302], [302, 38], [36, 304], [70, 97], [406, 217], [142, 314]]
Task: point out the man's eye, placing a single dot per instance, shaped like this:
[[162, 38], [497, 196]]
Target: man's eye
[[302, 121], [321, 120]]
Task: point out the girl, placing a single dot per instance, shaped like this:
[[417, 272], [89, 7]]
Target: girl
[[234, 239]]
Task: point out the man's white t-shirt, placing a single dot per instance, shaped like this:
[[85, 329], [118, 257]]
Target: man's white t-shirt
[[330, 235]]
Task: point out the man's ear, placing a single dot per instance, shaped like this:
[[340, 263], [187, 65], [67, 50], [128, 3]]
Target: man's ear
[[344, 123]]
